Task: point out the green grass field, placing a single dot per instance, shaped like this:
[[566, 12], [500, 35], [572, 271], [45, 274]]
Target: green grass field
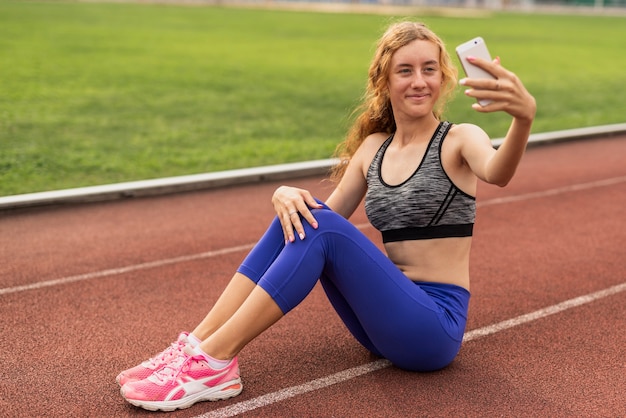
[[101, 93]]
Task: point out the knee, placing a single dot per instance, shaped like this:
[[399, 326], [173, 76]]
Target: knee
[[326, 218]]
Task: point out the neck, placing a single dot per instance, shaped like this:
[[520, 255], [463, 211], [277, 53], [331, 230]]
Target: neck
[[416, 130]]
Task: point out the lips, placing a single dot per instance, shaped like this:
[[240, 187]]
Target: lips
[[418, 96]]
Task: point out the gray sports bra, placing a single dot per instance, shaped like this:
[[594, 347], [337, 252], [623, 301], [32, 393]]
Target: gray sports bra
[[426, 205]]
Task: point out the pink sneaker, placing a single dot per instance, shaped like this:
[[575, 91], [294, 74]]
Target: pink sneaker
[[183, 382], [150, 366]]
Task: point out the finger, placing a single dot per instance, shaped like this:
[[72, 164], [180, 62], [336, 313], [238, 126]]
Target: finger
[[490, 66], [491, 107], [483, 96], [283, 218], [294, 218], [310, 201], [303, 212], [310, 219], [287, 224], [484, 83], [306, 212]]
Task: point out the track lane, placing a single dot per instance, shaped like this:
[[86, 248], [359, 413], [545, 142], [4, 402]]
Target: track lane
[[67, 342]]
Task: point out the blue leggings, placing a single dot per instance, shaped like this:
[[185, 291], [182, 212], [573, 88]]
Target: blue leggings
[[416, 326]]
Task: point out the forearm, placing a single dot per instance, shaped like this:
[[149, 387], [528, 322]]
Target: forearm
[[509, 95], [504, 162]]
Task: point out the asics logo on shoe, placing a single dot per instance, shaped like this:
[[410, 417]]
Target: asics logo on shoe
[[192, 385]]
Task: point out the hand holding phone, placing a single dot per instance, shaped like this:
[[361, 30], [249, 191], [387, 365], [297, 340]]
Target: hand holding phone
[[475, 48]]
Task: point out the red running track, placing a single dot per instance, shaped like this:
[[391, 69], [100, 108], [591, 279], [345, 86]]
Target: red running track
[[88, 290]]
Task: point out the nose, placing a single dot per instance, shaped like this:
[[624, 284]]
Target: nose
[[418, 81]]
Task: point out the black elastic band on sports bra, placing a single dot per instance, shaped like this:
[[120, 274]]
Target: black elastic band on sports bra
[[428, 232]]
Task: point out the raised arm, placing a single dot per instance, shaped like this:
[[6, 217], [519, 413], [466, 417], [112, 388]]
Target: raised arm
[[509, 95]]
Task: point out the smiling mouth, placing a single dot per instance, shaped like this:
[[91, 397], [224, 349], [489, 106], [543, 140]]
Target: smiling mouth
[[418, 96]]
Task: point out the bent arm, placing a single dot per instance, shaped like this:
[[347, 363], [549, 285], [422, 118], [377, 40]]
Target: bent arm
[[350, 191], [345, 198], [509, 95], [504, 162]]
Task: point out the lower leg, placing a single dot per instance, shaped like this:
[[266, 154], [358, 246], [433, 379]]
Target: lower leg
[[244, 281], [236, 292], [237, 320], [257, 313]]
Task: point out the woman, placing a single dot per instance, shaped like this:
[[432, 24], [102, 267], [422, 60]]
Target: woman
[[418, 175]]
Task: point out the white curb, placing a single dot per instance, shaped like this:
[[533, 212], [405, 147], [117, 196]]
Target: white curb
[[242, 176]]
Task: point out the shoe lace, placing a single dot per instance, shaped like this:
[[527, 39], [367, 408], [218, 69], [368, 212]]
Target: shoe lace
[[171, 370], [176, 346]]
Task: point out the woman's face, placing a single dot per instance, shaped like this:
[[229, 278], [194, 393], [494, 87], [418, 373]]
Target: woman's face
[[415, 79]]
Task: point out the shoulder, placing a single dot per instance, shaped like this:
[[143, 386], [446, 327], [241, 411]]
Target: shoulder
[[352, 186], [465, 136], [370, 145], [375, 140], [471, 145], [468, 132]]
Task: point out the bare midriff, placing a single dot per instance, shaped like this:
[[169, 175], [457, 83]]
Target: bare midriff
[[442, 260]]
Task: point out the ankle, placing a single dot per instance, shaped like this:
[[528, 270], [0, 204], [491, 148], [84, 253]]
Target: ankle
[[193, 340], [213, 362]]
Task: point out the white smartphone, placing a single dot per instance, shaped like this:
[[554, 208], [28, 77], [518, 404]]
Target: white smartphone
[[475, 48]]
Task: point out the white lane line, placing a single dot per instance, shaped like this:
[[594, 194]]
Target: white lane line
[[553, 192], [123, 270], [274, 397], [133, 268], [208, 254], [542, 313]]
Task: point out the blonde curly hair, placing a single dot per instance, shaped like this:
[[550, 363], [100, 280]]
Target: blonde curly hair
[[376, 114]]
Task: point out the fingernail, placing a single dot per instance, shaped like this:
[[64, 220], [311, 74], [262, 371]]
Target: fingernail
[[301, 235], [471, 58], [462, 81], [314, 225]]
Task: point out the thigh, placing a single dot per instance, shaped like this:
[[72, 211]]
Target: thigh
[[347, 315], [380, 305]]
